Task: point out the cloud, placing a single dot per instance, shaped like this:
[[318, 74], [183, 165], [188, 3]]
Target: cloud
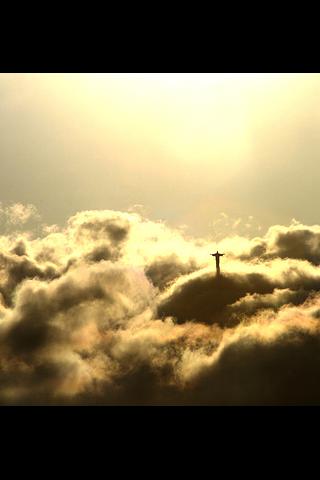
[[116, 309], [271, 362], [296, 241], [18, 213], [165, 270], [17, 267]]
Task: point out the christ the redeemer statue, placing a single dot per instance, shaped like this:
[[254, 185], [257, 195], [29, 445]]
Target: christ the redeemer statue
[[217, 255]]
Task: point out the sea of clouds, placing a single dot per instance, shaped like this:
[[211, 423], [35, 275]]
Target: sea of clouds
[[117, 309]]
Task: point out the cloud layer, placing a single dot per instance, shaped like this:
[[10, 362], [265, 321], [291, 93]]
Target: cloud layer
[[117, 309]]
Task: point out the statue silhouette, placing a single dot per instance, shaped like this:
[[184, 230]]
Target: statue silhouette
[[217, 255]]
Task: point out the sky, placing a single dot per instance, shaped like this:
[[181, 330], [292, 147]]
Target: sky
[[186, 147], [114, 190]]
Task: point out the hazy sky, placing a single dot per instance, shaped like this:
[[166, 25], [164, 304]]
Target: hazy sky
[[186, 146]]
